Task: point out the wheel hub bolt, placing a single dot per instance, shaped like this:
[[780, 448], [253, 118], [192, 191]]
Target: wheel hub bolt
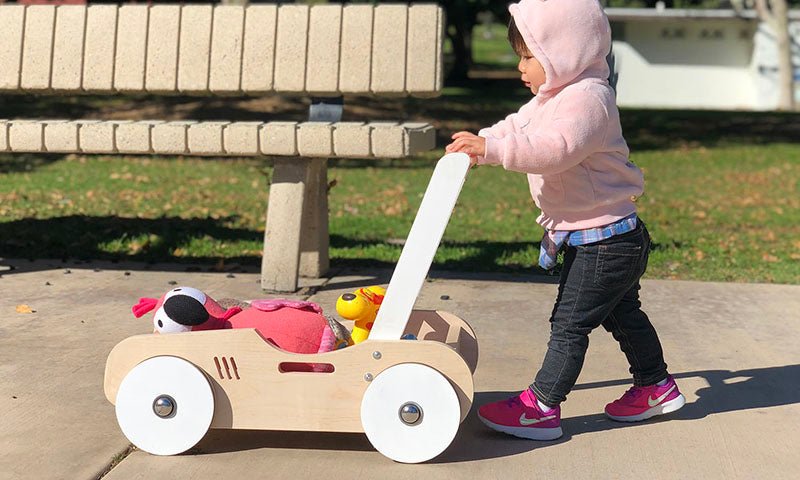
[[411, 414], [164, 406]]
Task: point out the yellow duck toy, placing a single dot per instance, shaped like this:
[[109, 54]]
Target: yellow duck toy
[[362, 307]]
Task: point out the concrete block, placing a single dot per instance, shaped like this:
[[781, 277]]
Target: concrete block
[[135, 137], [12, 24], [226, 49], [195, 48], [241, 138], [324, 37], [290, 52], [355, 67], [205, 138], [68, 48], [61, 136], [315, 139], [131, 48], [95, 136], [162, 48], [389, 49], [258, 57], [37, 49], [420, 137], [351, 140], [170, 138], [3, 135], [26, 136], [314, 236], [98, 56], [424, 53], [283, 234], [278, 138], [388, 140]]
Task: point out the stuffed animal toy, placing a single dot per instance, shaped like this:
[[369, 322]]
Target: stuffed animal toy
[[294, 326], [362, 307]]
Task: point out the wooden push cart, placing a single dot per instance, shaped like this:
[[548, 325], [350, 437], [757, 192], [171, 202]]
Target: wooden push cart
[[408, 396]]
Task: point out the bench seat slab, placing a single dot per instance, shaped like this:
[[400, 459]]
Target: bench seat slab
[[236, 139]]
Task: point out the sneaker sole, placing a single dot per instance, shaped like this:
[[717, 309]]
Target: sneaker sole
[[530, 433], [666, 407]]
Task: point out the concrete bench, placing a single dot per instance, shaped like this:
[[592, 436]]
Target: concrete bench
[[327, 51]]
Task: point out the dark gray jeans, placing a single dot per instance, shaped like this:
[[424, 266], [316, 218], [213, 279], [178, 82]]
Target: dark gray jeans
[[600, 286]]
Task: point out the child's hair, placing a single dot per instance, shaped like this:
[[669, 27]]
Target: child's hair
[[516, 40]]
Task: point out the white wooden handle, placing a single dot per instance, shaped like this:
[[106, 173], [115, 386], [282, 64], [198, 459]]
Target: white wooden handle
[[423, 241]]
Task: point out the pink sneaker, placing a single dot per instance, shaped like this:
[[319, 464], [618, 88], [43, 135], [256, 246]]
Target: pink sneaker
[[641, 403], [521, 416]]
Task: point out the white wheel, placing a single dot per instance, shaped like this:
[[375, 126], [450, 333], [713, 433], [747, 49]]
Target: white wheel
[[164, 405], [410, 413]]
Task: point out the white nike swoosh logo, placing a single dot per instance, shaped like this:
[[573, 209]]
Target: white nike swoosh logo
[[655, 401], [533, 421]]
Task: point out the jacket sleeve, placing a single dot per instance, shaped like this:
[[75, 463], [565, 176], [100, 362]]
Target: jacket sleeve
[[578, 129]]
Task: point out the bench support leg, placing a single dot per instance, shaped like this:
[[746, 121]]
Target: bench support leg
[[281, 262], [314, 241]]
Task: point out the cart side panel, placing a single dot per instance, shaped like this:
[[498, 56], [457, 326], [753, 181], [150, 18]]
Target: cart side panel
[[251, 391]]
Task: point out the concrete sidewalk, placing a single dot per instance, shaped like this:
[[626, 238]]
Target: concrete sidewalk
[[731, 346]]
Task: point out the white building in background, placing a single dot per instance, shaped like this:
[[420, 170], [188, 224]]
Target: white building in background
[[702, 59]]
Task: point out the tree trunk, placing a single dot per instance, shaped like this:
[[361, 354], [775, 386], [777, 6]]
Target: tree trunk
[[776, 14], [461, 39], [461, 18]]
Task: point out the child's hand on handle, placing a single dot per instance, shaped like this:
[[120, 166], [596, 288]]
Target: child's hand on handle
[[469, 143]]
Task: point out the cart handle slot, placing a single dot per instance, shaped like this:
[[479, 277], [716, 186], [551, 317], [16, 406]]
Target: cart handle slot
[[305, 367]]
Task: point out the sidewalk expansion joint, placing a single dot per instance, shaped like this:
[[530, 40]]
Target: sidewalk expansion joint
[[116, 460]]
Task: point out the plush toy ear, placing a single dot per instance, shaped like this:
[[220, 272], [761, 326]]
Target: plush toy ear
[[231, 312], [144, 306], [328, 341]]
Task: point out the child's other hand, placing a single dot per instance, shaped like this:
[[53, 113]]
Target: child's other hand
[[469, 143]]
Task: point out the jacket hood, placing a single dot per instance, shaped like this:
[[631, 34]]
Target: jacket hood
[[570, 38]]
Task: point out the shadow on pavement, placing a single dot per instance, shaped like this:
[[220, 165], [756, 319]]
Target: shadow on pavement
[[733, 390], [728, 391], [221, 441]]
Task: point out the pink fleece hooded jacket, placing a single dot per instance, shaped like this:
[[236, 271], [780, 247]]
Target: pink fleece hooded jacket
[[568, 138]]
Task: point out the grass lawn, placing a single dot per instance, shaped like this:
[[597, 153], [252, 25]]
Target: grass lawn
[[490, 47], [728, 211]]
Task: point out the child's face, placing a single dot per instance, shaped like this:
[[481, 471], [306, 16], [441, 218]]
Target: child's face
[[532, 72]]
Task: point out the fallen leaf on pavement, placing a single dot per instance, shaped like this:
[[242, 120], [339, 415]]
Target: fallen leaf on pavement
[[24, 309]]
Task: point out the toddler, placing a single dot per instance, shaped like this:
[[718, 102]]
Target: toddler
[[568, 140]]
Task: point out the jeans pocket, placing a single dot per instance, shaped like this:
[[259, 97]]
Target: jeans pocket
[[617, 264]]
